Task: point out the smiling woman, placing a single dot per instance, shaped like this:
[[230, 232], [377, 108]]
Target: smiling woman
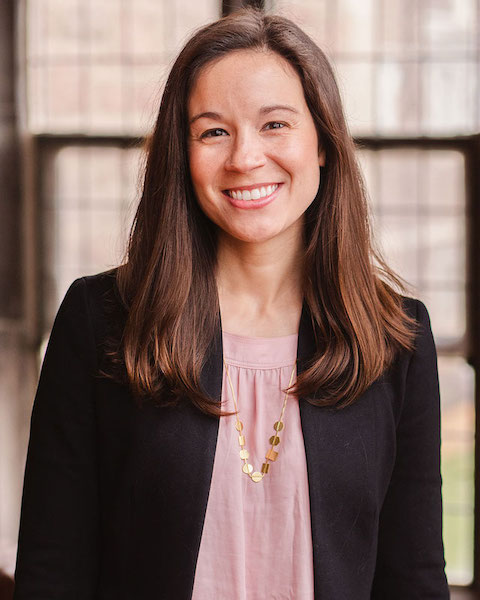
[[247, 143], [251, 306]]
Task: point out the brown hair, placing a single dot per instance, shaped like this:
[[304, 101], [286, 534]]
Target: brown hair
[[167, 283]]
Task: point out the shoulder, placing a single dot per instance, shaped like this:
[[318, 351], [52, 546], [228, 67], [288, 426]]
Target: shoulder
[[92, 290], [100, 285], [417, 368], [415, 309], [418, 312], [414, 371], [94, 299]]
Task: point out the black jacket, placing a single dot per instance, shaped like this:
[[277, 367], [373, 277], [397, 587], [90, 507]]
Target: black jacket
[[115, 495]]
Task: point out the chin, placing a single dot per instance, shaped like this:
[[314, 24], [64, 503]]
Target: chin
[[256, 237]]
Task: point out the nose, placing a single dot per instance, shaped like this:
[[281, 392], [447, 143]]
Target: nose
[[246, 153]]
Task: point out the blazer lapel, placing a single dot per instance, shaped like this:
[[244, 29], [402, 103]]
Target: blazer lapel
[[172, 465], [340, 454]]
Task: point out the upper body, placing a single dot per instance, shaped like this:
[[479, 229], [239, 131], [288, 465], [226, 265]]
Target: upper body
[[252, 220], [115, 495]]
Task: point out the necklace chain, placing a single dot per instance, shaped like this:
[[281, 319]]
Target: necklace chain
[[271, 454]]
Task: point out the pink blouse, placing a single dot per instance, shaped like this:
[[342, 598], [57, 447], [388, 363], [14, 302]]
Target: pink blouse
[[257, 539]]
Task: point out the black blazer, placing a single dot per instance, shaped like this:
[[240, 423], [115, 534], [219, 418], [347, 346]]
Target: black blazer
[[115, 495]]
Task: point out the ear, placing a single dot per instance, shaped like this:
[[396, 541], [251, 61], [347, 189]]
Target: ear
[[321, 158]]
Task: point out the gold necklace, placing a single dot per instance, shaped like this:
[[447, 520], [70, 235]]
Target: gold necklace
[[271, 454]]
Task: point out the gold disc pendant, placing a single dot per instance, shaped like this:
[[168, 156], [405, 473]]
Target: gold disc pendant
[[278, 426]]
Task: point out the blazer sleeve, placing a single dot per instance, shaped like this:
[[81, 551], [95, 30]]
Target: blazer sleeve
[[58, 540], [410, 558]]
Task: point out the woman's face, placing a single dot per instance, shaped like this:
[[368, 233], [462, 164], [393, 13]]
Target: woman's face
[[253, 147]]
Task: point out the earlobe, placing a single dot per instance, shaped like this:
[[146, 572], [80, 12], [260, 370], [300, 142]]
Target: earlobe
[[321, 158]]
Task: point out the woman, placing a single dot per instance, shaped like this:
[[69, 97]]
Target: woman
[[149, 474]]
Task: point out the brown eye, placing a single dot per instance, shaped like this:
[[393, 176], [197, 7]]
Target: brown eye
[[213, 133], [275, 125]]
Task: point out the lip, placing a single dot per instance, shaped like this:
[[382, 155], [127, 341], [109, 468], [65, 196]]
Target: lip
[[248, 204]]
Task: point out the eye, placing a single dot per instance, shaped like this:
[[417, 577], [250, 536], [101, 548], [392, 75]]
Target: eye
[[275, 125], [213, 133]]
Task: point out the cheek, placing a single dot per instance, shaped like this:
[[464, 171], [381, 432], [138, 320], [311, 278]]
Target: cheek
[[304, 170], [309, 153], [195, 168], [301, 155], [202, 178], [203, 168]]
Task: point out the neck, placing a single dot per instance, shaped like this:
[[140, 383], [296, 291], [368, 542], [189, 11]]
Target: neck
[[260, 286]]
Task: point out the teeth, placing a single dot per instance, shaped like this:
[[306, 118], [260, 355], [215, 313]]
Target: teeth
[[254, 194]]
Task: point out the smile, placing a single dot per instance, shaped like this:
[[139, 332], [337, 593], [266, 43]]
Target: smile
[[252, 194]]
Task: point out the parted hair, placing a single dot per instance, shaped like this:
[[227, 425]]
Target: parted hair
[[167, 281]]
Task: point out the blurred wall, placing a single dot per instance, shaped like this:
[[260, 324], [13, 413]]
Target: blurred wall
[[12, 417]]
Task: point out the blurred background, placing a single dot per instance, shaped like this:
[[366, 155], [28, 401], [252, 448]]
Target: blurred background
[[80, 83]]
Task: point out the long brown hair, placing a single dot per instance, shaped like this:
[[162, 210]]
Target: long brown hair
[[167, 283]]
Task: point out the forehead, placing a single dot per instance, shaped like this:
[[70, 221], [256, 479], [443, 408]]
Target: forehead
[[247, 74]]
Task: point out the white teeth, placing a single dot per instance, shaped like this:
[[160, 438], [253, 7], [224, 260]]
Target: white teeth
[[254, 194]]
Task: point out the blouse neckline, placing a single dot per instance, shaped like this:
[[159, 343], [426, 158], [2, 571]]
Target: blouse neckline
[[260, 352]]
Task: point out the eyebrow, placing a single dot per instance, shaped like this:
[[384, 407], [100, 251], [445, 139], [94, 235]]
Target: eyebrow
[[264, 110]]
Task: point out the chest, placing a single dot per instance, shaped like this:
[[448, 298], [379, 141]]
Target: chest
[[350, 453], [155, 474]]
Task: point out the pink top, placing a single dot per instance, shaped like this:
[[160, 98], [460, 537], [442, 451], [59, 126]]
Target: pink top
[[257, 538]]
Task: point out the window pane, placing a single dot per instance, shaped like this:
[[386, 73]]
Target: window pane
[[445, 182], [447, 312], [60, 28], [398, 181], [397, 97], [106, 100], [423, 73], [399, 28], [104, 29], [398, 236], [355, 83], [458, 438], [355, 26], [419, 208], [443, 245], [88, 205], [449, 27], [64, 100], [147, 27], [314, 16], [83, 58], [450, 100]]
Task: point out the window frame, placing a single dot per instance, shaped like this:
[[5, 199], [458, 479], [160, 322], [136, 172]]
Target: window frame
[[469, 146]]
